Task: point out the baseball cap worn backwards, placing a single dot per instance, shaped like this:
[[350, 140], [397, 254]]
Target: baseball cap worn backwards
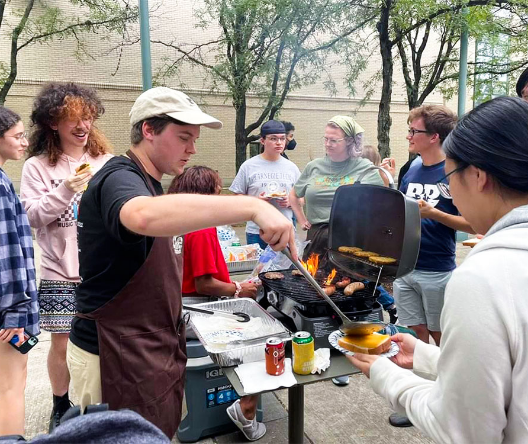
[[272, 127], [162, 100]]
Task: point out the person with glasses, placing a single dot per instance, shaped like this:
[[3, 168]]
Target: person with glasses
[[474, 387], [65, 137], [268, 176], [420, 294], [522, 85], [19, 308]]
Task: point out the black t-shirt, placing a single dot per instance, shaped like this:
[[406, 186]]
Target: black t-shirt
[[109, 254]]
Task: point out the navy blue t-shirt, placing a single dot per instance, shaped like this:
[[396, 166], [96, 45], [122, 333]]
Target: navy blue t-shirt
[[438, 243]]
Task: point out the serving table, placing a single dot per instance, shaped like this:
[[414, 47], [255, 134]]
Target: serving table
[[339, 366]]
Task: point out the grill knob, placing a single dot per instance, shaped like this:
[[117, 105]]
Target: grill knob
[[273, 299]]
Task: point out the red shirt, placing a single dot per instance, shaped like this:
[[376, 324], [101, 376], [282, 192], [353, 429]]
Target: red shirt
[[202, 255]]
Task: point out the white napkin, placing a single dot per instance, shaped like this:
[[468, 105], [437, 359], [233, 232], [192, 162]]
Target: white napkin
[[321, 361], [254, 378]]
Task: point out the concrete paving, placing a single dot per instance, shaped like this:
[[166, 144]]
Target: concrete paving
[[352, 414]]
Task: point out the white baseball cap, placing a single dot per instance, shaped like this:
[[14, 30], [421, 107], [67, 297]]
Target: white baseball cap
[[161, 100]]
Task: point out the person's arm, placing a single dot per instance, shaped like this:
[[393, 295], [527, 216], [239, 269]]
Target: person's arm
[[296, 204], [14, 301], [210, 286], [43, 205], [427, 211], [177, 214], [468, 402]]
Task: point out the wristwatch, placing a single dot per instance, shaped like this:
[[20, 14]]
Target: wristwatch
[[238, 289]]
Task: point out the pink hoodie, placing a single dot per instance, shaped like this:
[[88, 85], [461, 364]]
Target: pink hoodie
[[50, 209]]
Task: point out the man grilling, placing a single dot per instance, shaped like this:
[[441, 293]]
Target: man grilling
[[127, 344]]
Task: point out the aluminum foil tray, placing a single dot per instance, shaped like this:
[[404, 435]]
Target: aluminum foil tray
[[238, 351]]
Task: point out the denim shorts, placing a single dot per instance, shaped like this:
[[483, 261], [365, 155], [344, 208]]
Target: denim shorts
[[419, 297]]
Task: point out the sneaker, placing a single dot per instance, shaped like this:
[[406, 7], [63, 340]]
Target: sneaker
[[393, 315], [397, 420], [251, 429], [341, 381], [56, 415]]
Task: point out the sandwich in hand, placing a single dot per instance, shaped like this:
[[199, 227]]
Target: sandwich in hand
[[373, 344], [83, 168]]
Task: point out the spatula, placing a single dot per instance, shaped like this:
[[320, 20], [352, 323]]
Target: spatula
[[348, 327]]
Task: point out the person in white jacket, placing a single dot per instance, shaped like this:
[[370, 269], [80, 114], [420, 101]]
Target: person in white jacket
[[474, 387], [64, 138]]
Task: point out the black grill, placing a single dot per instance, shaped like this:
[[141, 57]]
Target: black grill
[[308, 301]]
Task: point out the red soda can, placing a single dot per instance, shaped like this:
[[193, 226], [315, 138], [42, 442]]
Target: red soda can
[[275, 355]]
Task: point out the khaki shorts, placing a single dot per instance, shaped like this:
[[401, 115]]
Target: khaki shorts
[[85, 373], [419, 298]]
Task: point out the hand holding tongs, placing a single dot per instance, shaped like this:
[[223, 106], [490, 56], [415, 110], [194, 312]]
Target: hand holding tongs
[[237, 315], [348, 327]]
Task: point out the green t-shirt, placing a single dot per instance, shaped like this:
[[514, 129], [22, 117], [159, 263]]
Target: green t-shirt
[[320, 179]]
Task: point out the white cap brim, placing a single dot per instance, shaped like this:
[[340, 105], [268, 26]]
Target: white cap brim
[[196, 118]]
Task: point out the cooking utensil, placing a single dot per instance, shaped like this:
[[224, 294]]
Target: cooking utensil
[[237, 315], [348, 327]]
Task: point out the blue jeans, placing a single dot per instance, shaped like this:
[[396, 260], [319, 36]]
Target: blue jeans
[[385, 298], [252, 238]]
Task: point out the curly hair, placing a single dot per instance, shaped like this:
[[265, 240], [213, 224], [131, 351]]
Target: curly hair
[[68, 101], [196, 180]]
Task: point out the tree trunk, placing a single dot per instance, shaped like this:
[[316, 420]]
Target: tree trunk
[[384, 118], [240, 133]]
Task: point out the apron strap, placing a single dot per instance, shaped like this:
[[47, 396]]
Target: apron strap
[[136, 160]]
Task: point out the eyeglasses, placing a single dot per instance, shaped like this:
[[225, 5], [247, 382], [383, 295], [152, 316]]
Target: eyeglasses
[[332, 141], [412, 132], [19, 136], [443, 187], [277, 139]]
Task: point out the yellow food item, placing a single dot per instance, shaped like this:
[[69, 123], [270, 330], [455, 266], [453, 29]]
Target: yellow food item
[[82, 168], [382, 260], [365, 254], [373, 344], [343, 249]]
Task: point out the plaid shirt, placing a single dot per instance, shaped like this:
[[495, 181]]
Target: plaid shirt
[[18, 288]]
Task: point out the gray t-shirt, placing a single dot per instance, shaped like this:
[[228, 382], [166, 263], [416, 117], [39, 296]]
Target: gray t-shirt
[[259, 176], [321, 178]]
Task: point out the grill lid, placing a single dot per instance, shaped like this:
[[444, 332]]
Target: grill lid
[[377, 219]]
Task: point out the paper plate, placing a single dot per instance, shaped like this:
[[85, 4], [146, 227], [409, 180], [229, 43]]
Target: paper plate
[[335, 335]]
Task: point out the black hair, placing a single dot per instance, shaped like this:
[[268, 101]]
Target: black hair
[[8, 119], [494, 138], [288, 126]]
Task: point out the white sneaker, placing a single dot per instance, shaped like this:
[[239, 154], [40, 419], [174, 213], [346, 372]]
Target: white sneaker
[[251, 429]]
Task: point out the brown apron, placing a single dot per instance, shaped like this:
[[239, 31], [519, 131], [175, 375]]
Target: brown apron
[[142, 338]]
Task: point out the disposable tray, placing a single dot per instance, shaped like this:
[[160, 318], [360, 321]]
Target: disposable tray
[[236, 266], [243, 351]]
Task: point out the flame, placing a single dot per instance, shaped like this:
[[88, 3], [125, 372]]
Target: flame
[[312, 264], [331, 277]]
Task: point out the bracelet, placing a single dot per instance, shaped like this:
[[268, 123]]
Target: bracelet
[[238, 289]]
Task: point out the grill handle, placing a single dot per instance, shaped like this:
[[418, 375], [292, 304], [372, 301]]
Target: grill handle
[[374, 167], [348, 326]]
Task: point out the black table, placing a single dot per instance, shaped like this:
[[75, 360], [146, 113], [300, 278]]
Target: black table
[[339, 366]]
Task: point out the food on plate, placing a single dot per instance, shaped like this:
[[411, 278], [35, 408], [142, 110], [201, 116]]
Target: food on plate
[[83, 168], [373, 344], [277, 194], [365, 254], [273, 275], [329, 290], [344, 282], [296, 272], [350, 289], [382, 260], [350, 250], [471, 242]]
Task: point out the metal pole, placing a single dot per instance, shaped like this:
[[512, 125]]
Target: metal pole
[[144, 30], [462, 77], [296, 414]]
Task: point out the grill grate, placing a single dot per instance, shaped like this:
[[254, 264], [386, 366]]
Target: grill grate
[[362, 268], [298, 289]]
